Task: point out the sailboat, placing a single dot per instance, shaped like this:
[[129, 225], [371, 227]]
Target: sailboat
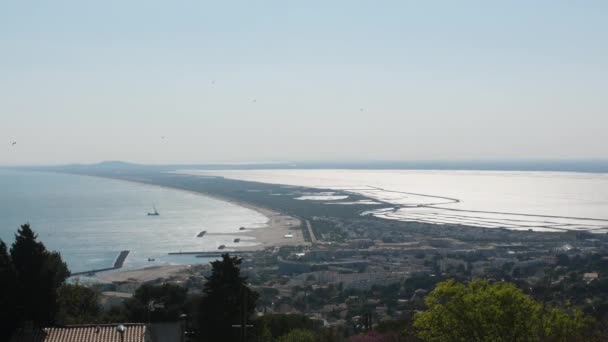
[[155, 213]]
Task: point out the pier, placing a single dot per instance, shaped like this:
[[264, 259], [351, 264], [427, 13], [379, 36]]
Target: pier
[[208, 254], [118, 263]]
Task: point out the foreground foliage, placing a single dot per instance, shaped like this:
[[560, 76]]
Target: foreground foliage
[[227, 301], [31, 277], [77, 305], [298, 335], [481, 311]]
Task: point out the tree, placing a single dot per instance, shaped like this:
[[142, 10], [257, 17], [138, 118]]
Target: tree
[[8, 286], [374, 336], [281, 324], [481, 311], [227, 301], [39, 273], [157, 303], [298, 335], [77, 305]]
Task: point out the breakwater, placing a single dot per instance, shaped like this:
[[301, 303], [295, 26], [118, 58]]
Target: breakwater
[[118, 263]]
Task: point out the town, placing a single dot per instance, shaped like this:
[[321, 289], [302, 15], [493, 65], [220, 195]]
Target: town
[[356, 270]]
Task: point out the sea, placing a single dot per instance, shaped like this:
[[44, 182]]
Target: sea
[[90, 220]]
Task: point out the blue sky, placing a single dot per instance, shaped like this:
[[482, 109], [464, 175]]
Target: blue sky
[[83, 81]]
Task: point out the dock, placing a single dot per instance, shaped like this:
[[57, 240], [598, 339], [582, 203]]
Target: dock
[[118, 263]]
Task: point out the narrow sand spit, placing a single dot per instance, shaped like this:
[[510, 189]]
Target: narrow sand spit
[[145, 274], [274, 233]]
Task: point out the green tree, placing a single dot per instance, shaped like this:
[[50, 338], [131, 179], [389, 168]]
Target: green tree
[[481, 311], [77, 305], [8, 286], [39, 274], [298, 335], [157, 303], [281, 324], [226, 301]]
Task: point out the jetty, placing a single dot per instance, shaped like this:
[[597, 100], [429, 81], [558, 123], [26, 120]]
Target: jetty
[[201, 254], [118, 263]]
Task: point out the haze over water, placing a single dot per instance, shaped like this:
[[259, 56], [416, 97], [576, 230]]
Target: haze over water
[[90, 220], [521, 200]]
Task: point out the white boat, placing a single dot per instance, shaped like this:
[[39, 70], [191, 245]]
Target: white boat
[[154, 213]]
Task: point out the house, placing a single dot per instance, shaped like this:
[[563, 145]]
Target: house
[[127, 332], [589, 277], [81, 333]]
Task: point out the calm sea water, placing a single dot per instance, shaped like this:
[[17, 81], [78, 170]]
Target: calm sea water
[[520, 200], [90, 220]]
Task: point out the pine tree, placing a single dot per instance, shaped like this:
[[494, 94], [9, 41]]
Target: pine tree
[[227, 301], [39, 274], [8, 285]]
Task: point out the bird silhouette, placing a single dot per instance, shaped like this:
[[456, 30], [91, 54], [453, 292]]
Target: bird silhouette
[[14, 143]]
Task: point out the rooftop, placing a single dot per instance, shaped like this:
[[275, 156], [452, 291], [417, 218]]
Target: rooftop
[[81, 333]]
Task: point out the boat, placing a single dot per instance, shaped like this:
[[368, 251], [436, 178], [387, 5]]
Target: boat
[[154, 213], [236, 240], [242, 228], [288, 236], [151, 259], [202, 233], [221, 247]]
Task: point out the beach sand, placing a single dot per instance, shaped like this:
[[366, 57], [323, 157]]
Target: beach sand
[[145, 274], [273, 234]]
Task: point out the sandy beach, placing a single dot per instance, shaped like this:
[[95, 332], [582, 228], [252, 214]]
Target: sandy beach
[[145, 274], [274, 233]]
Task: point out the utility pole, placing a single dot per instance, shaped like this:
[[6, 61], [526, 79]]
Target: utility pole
[[367, 321], [243, 326]]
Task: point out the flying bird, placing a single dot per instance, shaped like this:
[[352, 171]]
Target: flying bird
[[14, 143]]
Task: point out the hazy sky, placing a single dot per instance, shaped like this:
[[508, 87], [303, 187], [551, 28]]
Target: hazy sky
[[84, 81]]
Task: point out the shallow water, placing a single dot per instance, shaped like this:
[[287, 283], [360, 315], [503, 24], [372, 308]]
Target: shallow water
[[90, 220], [493, 199]]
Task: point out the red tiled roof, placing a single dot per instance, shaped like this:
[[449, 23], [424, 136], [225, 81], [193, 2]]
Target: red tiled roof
[[84, 333]]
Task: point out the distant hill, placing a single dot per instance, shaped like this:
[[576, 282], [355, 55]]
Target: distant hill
[[594, 166]]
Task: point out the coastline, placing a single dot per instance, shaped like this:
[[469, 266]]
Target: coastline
[[145, 274], [272, 235], [278, 225]]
